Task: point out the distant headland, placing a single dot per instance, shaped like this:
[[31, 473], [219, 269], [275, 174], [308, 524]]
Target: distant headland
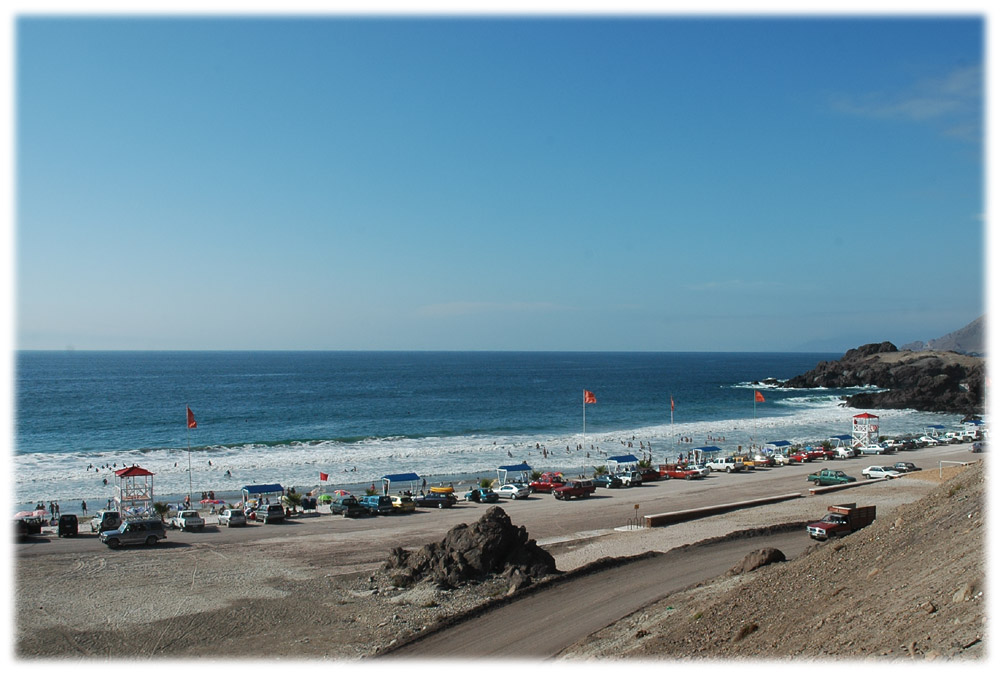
[[929, 381]]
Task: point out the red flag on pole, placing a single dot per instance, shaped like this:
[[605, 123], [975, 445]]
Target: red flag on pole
[[191, 422], [671, 403], [588, 397], [324, 477], [758, 397]]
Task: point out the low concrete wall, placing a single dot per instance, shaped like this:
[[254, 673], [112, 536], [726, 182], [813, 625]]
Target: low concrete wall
[[695, 513]]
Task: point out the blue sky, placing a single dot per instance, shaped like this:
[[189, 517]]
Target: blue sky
[[573, 183]]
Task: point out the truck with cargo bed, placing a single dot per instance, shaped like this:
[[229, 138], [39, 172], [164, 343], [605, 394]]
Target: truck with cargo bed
[[841, 520], [678, 471]]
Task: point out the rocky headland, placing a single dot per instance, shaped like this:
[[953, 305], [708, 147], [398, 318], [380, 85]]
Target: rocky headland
[[929, 381]]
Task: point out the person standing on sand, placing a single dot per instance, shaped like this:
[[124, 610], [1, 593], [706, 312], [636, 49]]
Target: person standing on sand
[[83, 507]]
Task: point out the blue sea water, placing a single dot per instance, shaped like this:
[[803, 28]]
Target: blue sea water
[[287, 416]]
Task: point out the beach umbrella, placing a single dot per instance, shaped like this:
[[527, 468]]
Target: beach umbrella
[[325, 498], [341, 492]]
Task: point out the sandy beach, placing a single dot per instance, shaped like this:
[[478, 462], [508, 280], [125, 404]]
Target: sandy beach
[[307, 585]]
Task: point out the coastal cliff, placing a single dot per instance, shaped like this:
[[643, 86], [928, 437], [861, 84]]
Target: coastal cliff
[[930, 381]]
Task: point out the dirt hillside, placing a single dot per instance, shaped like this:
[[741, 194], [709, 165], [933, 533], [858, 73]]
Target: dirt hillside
[[909, 586]]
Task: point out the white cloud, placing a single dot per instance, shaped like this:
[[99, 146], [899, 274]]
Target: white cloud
[[955, 99]]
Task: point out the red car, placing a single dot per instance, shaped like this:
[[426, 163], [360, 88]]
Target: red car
[[547, 482], [818, 453], [800, 456]]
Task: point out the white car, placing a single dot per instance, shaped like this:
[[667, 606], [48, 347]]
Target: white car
[[702, 469], [872, 449], [875, 472], [232, 517], [513, 490], [843, 453]]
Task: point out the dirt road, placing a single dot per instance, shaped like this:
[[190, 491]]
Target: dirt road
[[544, 623]]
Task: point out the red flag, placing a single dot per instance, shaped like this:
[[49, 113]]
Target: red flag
[[324, 477], [191, 422], [588, 397], [757, 397], [671, 403]]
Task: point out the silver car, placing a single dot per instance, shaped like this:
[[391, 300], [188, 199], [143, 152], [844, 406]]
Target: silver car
[[232, 517], [513, 490]]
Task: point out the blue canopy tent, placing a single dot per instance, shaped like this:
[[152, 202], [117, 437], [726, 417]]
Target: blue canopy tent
[[622, 460], [387, 480], [522, 468], [262, 490], [699, 451], [777, 446]]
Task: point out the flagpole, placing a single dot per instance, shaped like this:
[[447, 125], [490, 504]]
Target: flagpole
[[585, 419], [754, 438], [190, 489]]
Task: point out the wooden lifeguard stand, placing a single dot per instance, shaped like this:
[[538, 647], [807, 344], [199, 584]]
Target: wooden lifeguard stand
[[133, 491], [865, 430]]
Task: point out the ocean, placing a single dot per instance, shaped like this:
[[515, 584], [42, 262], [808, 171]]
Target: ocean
[[286, 417]]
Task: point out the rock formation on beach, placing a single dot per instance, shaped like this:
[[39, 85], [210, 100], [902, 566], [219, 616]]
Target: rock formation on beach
[[493, 545], [930, 381]]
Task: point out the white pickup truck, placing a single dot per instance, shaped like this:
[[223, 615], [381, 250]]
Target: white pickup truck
[[187, 520], [725, 463]]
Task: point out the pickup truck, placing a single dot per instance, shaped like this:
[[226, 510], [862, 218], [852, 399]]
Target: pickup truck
[[725, 463], [547, 482], [187, 520], [827, 477], [841, 520], [678, 472], [578, 488], [347, 506], [630, 478]]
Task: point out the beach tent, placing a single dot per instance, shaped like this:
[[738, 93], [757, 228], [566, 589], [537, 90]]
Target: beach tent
[[622, 460], [262, 490], [399, 477], [777, 446], [700, 451], [935, 429], [522, 468], [840, 441]]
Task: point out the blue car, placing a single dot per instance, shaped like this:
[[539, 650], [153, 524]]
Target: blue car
[[376, 505], [482, 495]]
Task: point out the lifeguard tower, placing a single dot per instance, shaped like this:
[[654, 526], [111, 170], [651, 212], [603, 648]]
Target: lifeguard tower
[[133, 491], [865, 430]]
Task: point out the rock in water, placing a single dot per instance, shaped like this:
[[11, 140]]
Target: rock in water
[[491, 546]]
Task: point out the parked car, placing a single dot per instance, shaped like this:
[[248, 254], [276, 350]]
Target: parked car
[[630, 478], [436, 500], [577, 488], [800, 456], [347, 506], [401, 503], [147, 531], [725, 463], [827, 477], [187, 520], [68, 525], [874, 472], [547, 482], [513, 490], [843, 453], [271, 514], [873, 449], [608, 481], [482, 495], [105, 520], [978, 447], [763, 460], [377, 504], [841, 520], [700, 468], [905, 467], [232, 517]]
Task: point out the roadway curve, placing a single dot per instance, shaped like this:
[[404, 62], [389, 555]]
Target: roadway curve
[[544, 623]]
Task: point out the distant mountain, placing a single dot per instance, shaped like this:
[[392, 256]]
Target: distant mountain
[[969, 340]]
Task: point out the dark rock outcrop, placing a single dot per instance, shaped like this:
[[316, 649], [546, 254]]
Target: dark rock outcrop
[[930, 381], [757, 559], [493, 545]]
